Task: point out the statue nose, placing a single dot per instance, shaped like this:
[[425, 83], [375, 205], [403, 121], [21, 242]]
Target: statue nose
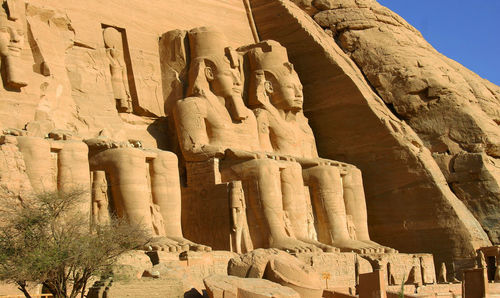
[[236, 80], [298, 92], [14, 36]]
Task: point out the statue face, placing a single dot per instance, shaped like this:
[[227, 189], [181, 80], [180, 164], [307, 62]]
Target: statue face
[[11, 37], [225, 81], [287, 92]]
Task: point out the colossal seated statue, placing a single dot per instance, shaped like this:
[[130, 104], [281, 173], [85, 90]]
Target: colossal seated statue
[[336, 188], [213, 122], [145, 189]]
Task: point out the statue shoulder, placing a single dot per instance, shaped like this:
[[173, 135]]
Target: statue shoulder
[[190, 105], [261, 114], [303, 122]]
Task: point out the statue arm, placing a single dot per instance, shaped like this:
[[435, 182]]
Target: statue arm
[[108, 54], [190, 116], [125, 78], [235, 219], [263, 127]]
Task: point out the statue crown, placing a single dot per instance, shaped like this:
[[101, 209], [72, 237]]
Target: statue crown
[[267, 55], [206, 42]]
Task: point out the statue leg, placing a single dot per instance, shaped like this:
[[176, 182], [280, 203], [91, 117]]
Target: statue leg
[[266, 174], [238, 234], [355, 204], [326, 185], [166, 191], [36, 155], [74, 173], [129, 185], [294, 202]]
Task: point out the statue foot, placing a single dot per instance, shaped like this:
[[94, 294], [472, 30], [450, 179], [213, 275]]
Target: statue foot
[[385, 249], [190, 244], [322, 246], [168, 245], [292, 245], [349, 245]]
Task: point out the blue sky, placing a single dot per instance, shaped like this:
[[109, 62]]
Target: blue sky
[[463, 30]]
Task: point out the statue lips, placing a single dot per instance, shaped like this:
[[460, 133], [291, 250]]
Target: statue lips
[[15, 50]]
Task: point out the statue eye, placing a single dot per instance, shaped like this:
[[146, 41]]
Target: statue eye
[[4, 29], [20, 32]]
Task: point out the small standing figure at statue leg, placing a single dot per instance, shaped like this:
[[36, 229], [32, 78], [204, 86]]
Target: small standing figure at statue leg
[[238, 212]]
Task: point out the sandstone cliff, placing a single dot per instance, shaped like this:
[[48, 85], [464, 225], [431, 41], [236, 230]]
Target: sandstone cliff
[[407, 193], [454, 111], [422, 128]]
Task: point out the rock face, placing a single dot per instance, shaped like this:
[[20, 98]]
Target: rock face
[[454, 111], [14, 180], [279, 267], [220, 286], [185, 123], [352, 124]]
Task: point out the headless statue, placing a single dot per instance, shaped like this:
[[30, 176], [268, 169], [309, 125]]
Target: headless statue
[[213, 122], [145, 189], [119, 79], [336, 188]]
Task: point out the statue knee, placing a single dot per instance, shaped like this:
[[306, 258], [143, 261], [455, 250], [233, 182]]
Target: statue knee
[[292, 172], [76, 146], [353, 177], [325, 174], [33, 145], [168, 158], [128, 156], [126, 159], [265, 167]]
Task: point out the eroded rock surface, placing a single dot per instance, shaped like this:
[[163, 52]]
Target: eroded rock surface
[[352, 124], [453, 110], [279, 267], [220, 286]]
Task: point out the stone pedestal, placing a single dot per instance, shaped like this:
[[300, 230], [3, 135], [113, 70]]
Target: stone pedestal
[[372, 285], [475, 284]]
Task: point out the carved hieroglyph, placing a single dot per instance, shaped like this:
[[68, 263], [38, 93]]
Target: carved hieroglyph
[[12, 35]]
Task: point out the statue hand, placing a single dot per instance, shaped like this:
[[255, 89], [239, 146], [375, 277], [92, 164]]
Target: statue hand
[[280, 157], [308, 162], [239, 154]]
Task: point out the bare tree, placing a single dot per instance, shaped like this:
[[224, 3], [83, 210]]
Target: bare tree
[[46, 240]]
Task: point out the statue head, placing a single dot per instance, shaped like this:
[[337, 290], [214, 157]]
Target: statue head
[[215, 69], [213, 64], [273, 74], [12, 32], [112, 40]]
